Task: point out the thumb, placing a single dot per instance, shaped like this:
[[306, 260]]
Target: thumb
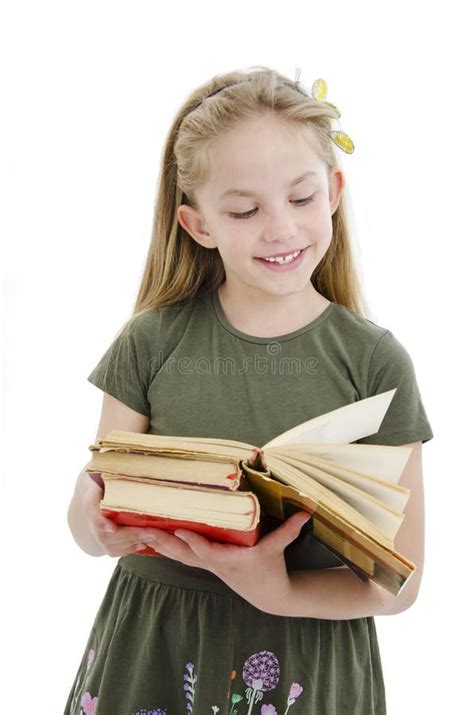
[[287, 532], [298, 520]]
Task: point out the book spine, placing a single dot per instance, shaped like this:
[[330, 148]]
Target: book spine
[[249, 469]]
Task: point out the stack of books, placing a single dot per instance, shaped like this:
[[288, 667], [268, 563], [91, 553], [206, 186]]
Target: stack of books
[[231, 491]]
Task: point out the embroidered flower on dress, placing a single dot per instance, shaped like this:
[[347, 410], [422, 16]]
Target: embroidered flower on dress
[[296, 690], [88, 704], [189, 689], [261, 672]]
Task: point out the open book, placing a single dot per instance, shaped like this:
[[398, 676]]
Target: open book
[[226, 489]]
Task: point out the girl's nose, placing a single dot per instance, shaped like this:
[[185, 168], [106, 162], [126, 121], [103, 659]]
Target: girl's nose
[[280, 226]]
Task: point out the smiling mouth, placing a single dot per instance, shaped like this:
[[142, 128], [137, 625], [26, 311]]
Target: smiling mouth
[[282, 258]]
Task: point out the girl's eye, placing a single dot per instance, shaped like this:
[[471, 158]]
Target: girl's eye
[[249, 214]]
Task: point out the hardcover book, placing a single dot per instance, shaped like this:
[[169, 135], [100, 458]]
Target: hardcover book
[[232, 492]]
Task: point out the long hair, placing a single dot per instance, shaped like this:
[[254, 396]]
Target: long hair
[[177, 268]]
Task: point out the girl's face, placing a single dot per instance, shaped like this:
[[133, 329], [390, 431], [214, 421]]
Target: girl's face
[[269, 193]]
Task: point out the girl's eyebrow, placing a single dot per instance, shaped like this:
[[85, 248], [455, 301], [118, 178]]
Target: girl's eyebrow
[[242, 192]]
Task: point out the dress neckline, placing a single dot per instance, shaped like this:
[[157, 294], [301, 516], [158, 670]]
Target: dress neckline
[[220, 315]]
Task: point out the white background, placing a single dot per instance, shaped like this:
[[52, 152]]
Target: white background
[[88, 91]]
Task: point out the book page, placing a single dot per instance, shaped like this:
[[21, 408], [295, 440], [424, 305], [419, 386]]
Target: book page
[[343, 425]]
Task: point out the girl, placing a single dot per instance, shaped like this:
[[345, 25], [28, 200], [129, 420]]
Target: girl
[[229, 339]]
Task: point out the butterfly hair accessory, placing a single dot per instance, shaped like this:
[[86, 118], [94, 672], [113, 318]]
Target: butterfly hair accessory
[[341, 139], [318, 90]]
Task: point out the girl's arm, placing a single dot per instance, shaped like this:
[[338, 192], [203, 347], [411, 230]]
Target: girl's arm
[[337, 594], [115, 415], [76, 518], [259, 573]]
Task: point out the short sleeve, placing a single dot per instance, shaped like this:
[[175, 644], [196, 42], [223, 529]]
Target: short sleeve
[[123, 370], [406, 420]]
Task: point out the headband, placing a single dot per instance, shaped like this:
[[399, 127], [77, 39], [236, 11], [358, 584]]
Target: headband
[[318, 92]]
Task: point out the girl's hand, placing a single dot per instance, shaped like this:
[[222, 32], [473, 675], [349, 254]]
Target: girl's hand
[[257, 573], [115, 539]]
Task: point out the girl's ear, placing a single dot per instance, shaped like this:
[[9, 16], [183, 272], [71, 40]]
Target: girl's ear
[[193, 223], [336, 186]]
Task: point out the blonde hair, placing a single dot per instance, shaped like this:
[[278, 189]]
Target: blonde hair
[[178, 268]]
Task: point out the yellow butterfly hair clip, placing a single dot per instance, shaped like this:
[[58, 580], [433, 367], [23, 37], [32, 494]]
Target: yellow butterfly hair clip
[[343, 141]]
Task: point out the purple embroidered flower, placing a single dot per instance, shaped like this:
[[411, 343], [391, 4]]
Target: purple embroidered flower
[[268, 710], [88, 704], [261, 671], [295, 690], [189, 689], [156, 711]]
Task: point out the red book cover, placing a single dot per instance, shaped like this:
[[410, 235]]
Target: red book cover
[[239, 537], [214, 533]]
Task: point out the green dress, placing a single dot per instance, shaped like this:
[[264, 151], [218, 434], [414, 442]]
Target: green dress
[[170, 638]]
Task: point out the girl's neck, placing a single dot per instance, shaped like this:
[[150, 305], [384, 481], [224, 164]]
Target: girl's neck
[[278, 315]]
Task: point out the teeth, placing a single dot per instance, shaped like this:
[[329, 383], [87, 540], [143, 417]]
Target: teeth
[[283, 259]]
